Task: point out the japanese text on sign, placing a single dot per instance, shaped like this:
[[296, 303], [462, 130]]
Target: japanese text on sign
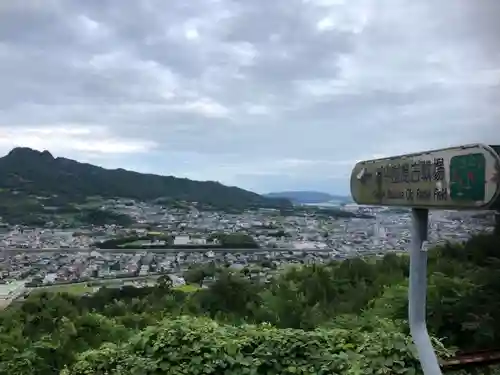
[[421, 170], [414, 172]]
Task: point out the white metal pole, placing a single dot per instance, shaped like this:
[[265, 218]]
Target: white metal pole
[[418, 291]]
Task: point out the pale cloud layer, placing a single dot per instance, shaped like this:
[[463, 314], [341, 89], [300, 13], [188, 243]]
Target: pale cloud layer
[[266, 95]]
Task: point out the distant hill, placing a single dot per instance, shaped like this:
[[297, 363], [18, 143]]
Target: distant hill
[[38, 173], [308, 196]]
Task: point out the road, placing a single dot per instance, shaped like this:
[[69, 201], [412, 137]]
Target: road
[[193, 250]]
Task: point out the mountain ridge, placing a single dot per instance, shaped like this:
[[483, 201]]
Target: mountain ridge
[[40, 173]]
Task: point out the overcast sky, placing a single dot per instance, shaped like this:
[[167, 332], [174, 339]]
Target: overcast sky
[[263, 94]]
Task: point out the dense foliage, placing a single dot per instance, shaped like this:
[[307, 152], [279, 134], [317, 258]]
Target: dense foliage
[[322, 212], [163, 241], [342, 318], [39, 173], [104, 217], [17, 208]]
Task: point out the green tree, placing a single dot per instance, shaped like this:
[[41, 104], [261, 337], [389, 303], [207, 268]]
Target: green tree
[[164, 282], [195, 275]]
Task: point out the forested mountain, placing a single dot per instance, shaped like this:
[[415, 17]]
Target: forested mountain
[[307, 196], [345, 318], [39, 173]]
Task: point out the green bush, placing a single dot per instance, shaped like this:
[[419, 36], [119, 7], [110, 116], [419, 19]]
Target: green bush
[[201, 346]]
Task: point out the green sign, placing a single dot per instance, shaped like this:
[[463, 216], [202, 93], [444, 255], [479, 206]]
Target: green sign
[[468, 177]]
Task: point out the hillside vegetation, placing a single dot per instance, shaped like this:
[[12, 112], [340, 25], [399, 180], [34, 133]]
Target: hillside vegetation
[[30, 172], [341, 318]]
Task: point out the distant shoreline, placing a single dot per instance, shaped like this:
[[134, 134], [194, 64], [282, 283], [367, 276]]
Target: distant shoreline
[[325, 204]]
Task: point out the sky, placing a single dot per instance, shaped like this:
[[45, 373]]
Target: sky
[[267, 95]]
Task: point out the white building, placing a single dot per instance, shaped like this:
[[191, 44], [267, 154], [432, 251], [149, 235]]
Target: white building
[[182, 240], [177, 281]]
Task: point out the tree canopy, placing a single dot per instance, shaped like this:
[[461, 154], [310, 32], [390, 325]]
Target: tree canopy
[[344, 317]]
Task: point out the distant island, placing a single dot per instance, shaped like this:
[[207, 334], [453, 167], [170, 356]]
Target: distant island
[[308, 197]]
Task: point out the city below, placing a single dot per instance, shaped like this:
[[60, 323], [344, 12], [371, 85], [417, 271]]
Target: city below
[[70, 258]]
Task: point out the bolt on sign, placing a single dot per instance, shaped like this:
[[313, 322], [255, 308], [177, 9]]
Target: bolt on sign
[[464, 177]]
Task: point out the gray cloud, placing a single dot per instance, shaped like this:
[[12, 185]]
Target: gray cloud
[[266, 95]]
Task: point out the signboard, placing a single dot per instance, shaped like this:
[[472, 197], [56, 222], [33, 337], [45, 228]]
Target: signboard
[[464, 177]]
